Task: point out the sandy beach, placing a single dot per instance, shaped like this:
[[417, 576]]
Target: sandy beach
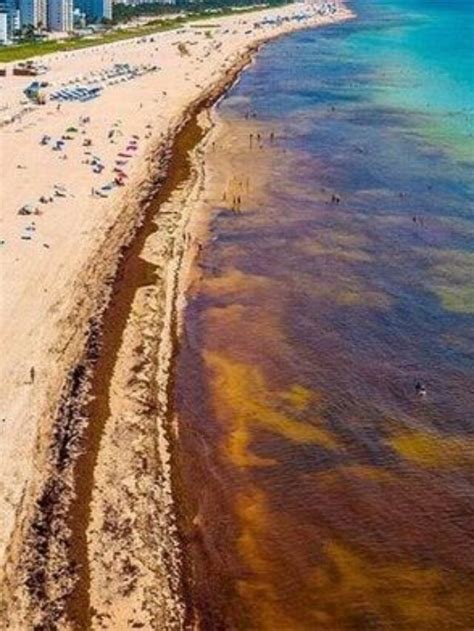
[[87, 174]]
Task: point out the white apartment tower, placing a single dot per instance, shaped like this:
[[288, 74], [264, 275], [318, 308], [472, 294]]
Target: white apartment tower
[[60, 15], [9, 20], [4, 35]]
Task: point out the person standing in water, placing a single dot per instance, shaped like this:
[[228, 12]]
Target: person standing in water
[[420, 388]]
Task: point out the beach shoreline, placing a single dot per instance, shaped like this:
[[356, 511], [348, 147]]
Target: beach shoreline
[[38, 522]]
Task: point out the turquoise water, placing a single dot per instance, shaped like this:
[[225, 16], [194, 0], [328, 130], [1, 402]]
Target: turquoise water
[[421, 59], [431, 48], [325, 492]]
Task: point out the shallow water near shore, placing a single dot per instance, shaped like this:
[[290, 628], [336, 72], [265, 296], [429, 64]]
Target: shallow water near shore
[[320, 490]]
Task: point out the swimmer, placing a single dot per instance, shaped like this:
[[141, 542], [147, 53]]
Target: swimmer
[[420, 389]]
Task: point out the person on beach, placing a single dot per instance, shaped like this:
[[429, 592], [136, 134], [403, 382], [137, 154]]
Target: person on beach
[[32, 374]]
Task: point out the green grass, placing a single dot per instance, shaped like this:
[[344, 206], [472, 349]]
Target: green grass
[[36, 49]]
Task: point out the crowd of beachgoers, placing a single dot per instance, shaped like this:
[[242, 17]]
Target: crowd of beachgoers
[[116, 175]]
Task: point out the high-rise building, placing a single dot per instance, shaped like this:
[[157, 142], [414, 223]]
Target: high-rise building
[[43, 13], [15, 20], [95, 10], [33, 13], [4, 36], [60, 16], [10, 23]]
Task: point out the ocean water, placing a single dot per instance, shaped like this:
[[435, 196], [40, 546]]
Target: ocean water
[[319, 489]]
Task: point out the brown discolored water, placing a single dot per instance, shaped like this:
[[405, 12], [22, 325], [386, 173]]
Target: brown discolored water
[[318, 489]]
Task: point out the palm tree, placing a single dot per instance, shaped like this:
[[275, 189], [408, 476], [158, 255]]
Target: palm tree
[[28, 32]]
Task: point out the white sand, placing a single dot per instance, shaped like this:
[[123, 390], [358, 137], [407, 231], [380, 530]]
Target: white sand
[[43, 282]]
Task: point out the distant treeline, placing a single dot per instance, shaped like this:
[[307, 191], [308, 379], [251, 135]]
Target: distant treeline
[[125, 12]]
